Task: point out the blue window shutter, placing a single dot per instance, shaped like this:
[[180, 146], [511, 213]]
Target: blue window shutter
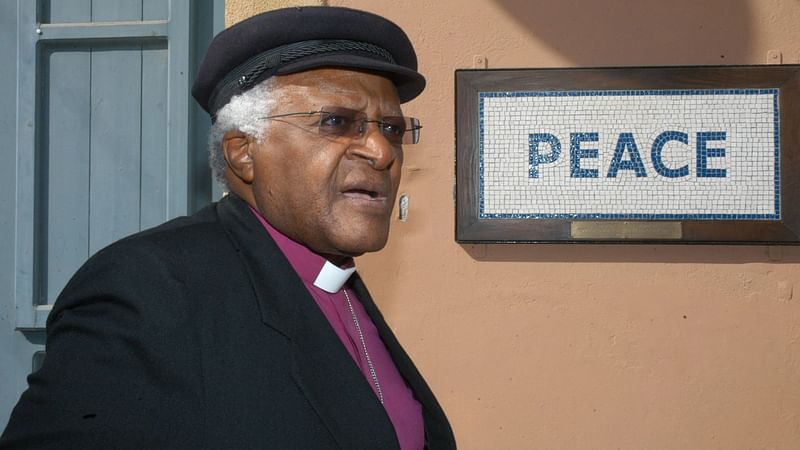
[[108, 138], [100, 139]]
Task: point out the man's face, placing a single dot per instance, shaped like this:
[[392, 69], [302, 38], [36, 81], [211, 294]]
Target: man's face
[[333, 194]]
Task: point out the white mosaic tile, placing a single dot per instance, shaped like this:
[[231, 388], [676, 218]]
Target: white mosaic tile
[[642, 154]]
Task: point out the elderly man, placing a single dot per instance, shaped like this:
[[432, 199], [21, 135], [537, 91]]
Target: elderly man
[[245, 326]]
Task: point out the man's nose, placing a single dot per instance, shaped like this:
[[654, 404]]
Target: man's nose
[[375, 148]]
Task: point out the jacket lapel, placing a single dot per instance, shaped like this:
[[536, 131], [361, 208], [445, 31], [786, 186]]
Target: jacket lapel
[[321, 366], [438, 433]]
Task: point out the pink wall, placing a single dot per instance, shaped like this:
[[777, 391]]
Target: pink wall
[[584, 347]]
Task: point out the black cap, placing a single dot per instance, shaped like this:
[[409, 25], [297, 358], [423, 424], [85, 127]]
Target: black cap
[[296, 39]]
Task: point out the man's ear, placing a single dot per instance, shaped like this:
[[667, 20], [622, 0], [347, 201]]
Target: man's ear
[[237, 148]]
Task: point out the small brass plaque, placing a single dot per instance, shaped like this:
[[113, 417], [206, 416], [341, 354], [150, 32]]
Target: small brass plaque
[[625, 230]]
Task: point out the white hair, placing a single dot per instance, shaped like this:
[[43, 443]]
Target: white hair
[[244, 112]]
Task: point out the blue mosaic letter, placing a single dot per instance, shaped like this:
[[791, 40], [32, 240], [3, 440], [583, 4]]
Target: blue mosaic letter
[[535, 158], [658, 147], [576, 153], [703, 153], [635, 163]]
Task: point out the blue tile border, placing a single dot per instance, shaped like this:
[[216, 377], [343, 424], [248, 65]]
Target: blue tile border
[[634, 216], [775, 92], [777, 137]]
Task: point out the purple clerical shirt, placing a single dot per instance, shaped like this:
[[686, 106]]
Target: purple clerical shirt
[[404, 411]]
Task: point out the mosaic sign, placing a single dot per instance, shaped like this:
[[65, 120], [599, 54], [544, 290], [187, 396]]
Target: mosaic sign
[[641, 154]]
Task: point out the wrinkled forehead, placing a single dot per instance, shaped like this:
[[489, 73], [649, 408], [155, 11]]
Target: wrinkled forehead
[[338, 87]]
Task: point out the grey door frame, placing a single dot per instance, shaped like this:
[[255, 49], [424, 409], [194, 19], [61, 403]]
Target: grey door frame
[[30, 309], [190, 185]]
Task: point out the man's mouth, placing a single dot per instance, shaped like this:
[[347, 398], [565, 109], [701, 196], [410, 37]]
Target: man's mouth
[[363, 194], [367, 193]]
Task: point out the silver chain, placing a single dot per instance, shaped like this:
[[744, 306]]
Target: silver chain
[[364, 347]]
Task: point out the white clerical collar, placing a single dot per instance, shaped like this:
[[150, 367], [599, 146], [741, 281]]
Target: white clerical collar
[[331, 278]]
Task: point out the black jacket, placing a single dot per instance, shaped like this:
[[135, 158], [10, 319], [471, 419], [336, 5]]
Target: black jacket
[[198, 334]]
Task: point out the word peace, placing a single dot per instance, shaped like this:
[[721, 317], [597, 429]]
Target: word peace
[[626, 154]]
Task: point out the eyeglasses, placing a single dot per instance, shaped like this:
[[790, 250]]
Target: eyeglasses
[[336, 121]]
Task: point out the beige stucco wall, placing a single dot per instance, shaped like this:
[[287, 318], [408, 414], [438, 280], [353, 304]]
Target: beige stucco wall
[[587, 347], [238, 10]]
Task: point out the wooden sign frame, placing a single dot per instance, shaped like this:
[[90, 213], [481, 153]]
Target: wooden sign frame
[[475, 225]]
